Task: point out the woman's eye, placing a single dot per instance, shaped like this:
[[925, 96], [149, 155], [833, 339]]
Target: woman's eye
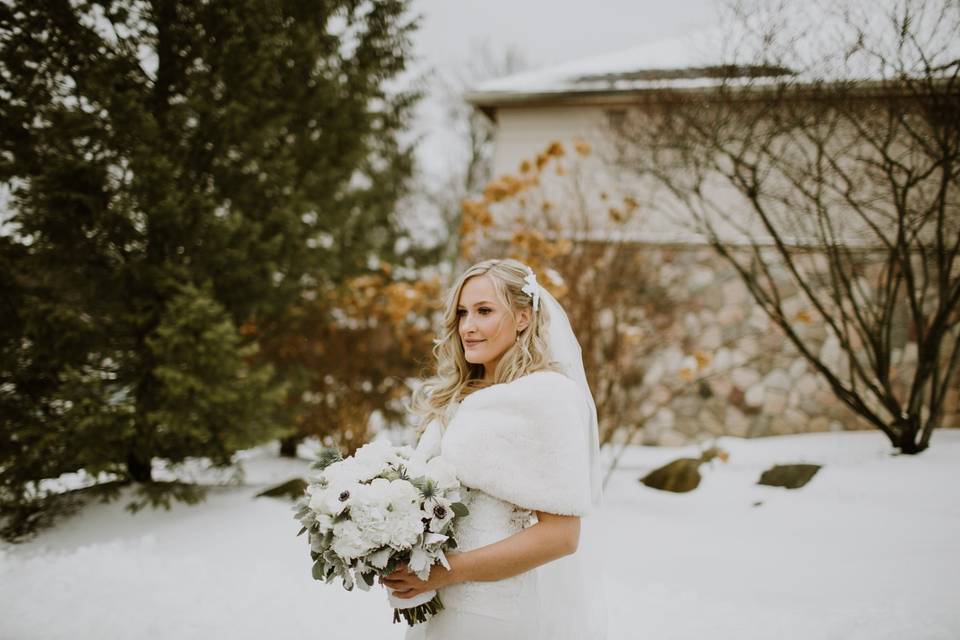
[[484, 310], [460, 312]]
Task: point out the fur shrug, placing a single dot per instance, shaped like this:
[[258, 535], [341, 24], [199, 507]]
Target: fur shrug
[[526, 442]]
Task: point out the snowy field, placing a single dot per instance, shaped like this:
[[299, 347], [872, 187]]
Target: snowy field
[[868, 550]]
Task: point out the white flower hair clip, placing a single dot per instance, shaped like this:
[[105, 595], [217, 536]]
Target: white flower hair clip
[[532, 289]]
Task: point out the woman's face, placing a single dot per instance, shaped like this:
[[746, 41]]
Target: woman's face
[[485, 326]]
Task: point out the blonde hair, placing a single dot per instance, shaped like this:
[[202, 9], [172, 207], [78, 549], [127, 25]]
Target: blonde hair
[[456, 378]]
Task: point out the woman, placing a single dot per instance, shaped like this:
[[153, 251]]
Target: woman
[[510, 408]]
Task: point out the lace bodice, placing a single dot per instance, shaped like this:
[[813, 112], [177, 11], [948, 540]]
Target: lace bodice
[[490, 520]]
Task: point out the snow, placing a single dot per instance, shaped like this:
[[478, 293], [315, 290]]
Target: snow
[[867, 550], [690, 50], [814, 40]]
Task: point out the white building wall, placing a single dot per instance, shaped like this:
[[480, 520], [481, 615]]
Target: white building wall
[[525, 131]]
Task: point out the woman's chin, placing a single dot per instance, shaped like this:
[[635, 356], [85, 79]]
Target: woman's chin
[[473, 359]]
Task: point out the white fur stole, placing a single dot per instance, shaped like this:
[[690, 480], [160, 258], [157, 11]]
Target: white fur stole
[[525, 442]]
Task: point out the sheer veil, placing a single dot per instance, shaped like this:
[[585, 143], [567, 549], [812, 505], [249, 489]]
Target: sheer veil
[[571, 590]]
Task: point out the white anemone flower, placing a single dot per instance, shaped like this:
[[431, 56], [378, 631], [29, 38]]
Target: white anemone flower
[[439, 512], [335, 498]]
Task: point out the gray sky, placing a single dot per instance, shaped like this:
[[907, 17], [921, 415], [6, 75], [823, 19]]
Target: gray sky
[[542, 32], [551, 31]]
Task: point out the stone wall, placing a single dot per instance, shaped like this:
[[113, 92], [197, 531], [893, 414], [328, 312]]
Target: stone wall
[[740, 374]]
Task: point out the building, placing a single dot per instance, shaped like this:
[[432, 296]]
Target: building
[[722, 368]]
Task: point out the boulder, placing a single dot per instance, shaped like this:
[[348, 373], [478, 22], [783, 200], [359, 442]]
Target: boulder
[[789, 476], [291, 490], [680, 476], [683, 474]]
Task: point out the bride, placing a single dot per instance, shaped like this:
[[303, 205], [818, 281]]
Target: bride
[[510, 408]]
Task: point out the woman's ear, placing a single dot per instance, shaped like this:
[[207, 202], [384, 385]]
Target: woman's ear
[[523, 319]]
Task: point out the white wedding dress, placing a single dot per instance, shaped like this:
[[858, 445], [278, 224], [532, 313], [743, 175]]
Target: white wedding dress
[[505, 609], [552, 601]]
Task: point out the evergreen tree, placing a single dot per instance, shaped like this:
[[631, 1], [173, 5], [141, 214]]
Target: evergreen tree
[[177, 170]]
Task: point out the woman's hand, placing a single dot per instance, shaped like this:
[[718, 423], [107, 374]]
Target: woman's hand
[[553, 536], [406, 584]]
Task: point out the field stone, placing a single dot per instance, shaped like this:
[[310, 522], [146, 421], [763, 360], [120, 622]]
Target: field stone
[[738, 424], [680, 476], [291, 489], [818, 424], [744, 377], [807, 384], [755, 395], [797, 368], [774, 401], [789, 476], [778, 379]]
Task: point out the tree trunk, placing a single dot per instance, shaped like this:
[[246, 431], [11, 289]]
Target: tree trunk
[[288, 446], [138, 469], [907, 437]]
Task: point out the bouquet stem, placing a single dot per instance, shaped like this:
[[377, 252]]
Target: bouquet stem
[[419, 613]]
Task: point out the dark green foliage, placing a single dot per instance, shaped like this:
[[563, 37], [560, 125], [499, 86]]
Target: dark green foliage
[[163, 494], [421, 613], [326, 457], [178, 172]]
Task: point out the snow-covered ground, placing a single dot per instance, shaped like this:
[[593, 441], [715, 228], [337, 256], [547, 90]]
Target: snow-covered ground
[[868, 550]]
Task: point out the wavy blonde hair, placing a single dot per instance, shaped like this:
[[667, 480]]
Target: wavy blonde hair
[[456, 378]]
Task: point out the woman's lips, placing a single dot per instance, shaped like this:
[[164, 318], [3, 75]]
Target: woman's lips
[[472, 343]]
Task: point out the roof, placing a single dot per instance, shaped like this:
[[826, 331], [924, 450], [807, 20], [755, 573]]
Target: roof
[[692, 62], [682, 62]]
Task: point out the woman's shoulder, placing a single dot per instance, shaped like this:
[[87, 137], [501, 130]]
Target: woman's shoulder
[[546, 378], [533, 388]]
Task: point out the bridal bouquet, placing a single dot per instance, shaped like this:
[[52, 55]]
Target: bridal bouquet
[[382, 507]]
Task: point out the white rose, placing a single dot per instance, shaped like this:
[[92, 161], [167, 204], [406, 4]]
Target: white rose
[[406, 528], [374, 456], [416, 468], [406, 452], [444, 473], [369, 511], [406, 517], [387, 513], [402, 492], [348, 542], [350, 470]]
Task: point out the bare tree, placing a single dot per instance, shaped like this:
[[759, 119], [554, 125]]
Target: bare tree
[[471, 154], [552, 215], [823, 160]]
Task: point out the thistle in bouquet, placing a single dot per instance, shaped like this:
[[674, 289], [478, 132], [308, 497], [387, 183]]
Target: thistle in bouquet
[[367, 514]]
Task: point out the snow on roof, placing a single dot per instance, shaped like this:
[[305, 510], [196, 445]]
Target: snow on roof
[[702, 59], [688, 61]]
